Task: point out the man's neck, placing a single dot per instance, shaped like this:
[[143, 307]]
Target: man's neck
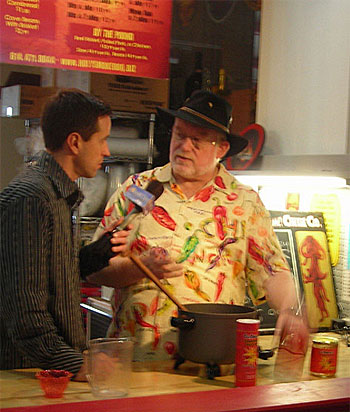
[[65, 162], [191, 187]]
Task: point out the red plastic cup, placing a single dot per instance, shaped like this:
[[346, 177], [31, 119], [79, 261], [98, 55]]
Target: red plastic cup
[[53, 382]]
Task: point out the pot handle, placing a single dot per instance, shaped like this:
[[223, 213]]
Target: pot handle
[[265, 354], [182, 323]]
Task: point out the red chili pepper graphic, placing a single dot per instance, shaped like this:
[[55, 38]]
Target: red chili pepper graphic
[[145, 324], [219, 285], [162, 217], [205, 194], [313, 251], [219, 213], [140, 244], [154, 305], [169, 347], [141, 308], [156, 338], [232, 196], [256, 253], [219, 182], [130, 207], [107, 212]]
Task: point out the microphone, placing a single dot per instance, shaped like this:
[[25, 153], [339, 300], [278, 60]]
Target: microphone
[[95, 256], [143, 201]]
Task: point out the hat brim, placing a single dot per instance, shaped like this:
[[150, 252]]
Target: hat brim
[[167, 116]]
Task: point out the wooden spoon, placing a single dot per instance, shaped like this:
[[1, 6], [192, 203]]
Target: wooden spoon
[[155, 280]]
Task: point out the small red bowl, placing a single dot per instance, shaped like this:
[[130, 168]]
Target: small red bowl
[[53, 382]]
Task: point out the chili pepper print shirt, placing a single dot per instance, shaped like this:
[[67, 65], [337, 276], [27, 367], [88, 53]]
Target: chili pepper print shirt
[[222, 236]]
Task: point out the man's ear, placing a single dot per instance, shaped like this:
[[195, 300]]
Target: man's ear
[[73, 142], [223, 148]]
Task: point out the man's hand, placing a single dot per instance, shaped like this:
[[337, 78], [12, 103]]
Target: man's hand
[[103, 365], [103, 252], [281, 295], [119, 239], [161, 264], [292, 330], [123, 272], [81, 375]]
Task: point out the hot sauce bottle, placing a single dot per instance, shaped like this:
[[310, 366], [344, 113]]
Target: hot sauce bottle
[[247, 331]]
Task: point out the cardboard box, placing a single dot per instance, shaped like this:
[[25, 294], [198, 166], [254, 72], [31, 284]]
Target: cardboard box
[[130, 94], [123, 93], [25, 101]]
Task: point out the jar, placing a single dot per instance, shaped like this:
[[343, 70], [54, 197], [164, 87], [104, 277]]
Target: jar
[[324, 356]]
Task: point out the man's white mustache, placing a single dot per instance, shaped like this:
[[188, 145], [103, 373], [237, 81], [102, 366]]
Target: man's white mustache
[[183, 155]]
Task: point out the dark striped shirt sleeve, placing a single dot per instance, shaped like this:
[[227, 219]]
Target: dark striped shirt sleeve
[[39, 285]]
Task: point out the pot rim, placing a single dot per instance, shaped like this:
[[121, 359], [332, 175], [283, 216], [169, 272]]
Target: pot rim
[[247, 310]]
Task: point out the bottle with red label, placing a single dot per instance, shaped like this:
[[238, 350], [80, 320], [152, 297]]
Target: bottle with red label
[[324, 356], [247, 332]]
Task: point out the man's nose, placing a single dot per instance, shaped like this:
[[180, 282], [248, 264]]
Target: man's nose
[[106, 151]]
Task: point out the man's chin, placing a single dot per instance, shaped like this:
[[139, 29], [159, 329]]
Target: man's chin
[[90, 174], [183, 171]]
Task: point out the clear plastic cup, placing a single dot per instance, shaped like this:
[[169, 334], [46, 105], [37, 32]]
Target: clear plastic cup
[[289, 362], [110, 366]]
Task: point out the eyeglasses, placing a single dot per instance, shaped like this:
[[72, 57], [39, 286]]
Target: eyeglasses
[[197, 143]]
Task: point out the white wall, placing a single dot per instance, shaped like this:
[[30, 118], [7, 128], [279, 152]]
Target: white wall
[[303, 76]]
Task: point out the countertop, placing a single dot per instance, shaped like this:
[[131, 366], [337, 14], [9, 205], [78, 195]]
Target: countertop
[[156, 386]]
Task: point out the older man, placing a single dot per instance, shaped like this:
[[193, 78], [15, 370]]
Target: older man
[[206, 221]]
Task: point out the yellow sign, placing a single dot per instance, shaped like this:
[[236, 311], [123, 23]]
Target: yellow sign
[[329, 205]]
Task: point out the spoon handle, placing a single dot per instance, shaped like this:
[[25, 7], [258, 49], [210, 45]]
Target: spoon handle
[[155, 280]]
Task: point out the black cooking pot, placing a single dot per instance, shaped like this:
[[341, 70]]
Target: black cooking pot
[[207, 331]]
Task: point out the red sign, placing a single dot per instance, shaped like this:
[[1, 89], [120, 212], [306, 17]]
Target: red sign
[[129, 37]]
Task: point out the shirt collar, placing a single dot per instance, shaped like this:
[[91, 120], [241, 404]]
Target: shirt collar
[[222, 181], [163, 174], [68, 189]]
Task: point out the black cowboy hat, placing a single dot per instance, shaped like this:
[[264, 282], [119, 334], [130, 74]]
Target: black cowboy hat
[[208, 110]]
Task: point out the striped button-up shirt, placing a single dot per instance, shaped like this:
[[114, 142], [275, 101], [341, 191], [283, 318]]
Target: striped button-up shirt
[[40, 317]]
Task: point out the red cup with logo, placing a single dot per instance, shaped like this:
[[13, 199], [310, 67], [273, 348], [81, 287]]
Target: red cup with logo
[[247, 332]]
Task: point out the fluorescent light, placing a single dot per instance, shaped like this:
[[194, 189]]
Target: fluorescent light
[[297, 182]]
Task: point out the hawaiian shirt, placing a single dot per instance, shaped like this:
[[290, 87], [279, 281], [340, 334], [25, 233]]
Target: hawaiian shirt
[[223, 237]]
